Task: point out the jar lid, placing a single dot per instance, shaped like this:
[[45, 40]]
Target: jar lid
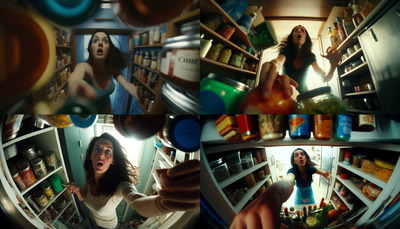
[[191, 27], [184, 133], [384, 164], [183, 102], [38, 194], [184, 41], [36, 161], [215, 163], [45, 184], [83, 120], [228, 81], [314, 92]]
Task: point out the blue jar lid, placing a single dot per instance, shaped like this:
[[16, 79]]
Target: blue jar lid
[[66, 12], [83, 121], [184, 133]]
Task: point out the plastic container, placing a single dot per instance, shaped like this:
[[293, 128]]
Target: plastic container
[[320, 101], [220, 172], [299, 126], [220, 95], [48, 191], [205, 46], [55, 182], [234, 163], [342, 128], [262, 37], [323, 127], [247, 159], [272, 126], [368, 166], [383, 169], [233, 158], [183, 133]]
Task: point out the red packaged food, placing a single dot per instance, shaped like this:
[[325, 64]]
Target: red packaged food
[[227, 31]]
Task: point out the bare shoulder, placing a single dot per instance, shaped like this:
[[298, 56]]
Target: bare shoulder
[[85, 69]]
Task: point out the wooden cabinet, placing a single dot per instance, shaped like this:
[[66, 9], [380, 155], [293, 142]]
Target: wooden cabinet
[[239, 38], [381, 42], [144, 83], [45, 140]]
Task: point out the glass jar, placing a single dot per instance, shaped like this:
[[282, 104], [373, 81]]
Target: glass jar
[[320, 101], [323, 126], [39, 167], [140, 61], [144, 75], [136, 39], [180, 63], [145, 38], [150, 77], [214, 21], [151, 105], [146, 59], [151, 36], [225, 56], [220, 95], [153, 64], [151, 80], [26, 173], [243, 62], [215, 51], [299, 126], [272, 126], [136, 59], [157, 35], [363, 122], [159, 56]]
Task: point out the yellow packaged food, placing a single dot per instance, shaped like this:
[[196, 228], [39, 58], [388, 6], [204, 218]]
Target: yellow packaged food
[[383, 169], [368, 166]]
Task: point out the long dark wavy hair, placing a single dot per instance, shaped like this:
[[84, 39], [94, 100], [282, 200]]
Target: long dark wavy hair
[[121, 170], [288, 46], [115, 57], [308, 164]]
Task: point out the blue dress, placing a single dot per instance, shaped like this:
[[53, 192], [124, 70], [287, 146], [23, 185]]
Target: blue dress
[[304, 193]]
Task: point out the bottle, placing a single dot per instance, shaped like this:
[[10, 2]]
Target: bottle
[[342, 33], [334, 40], [305, 213], [357, 17], [287, 218], [246, 20], [367, 8], [297, 220], [363, 122], [348, 25]]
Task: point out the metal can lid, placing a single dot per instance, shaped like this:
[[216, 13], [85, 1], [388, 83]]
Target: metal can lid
[[228, 81], [38, 194], [184, 41], [215, 163], [45, 185], [184, 102], [37, 161]]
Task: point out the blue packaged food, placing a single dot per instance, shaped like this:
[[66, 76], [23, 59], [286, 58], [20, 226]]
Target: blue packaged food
[[342, 128], [299, 126]]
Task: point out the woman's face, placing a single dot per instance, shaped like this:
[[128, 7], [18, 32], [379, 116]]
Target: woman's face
[[100, 45], [102, 155], [299, 158], [299, 35]]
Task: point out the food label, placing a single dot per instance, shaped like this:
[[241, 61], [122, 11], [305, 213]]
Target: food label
[[299, 125], [366, 120], [165, 62], [187, 65]]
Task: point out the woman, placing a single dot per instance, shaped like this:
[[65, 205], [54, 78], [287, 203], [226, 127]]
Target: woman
[[93, 80], [110, 177], [264, 211], [295, 58]]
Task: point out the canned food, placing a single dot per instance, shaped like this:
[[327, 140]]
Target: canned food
[[39, 167], [48, 191], [214, 21], [51, 160], [215, 51], [180, 62], [26, 173], [11, 126], [16, 177], [227, 31], [29, 153], [225, 56], [40, 198], [299, 126]]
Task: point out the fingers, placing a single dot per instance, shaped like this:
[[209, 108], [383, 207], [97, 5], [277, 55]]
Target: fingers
[[269, 73], [184, 168], [185, 183], [286, 85], [180, 196], [179, 206]]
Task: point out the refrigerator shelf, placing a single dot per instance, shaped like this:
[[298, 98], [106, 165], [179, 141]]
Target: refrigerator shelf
[[249, 194], [62, 211], [240, 175], [350, 206], [26, 136], [356, 191], [51, 201], [369, 176], [166, 157], [38, 181]]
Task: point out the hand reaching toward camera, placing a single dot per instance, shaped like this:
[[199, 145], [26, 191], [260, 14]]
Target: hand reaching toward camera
[[180, 186]]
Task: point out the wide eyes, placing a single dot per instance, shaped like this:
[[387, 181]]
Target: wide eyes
[[97, 40], [98, 151]]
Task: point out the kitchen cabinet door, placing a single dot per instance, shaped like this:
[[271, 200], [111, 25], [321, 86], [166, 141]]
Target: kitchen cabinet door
[[381, 43]]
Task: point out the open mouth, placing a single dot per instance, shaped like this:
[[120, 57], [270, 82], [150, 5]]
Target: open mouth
[[100, 51], [100, 163], [299, 36], [301, 161]]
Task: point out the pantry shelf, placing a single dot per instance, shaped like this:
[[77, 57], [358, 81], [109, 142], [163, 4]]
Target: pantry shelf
[[226, 67], [249, 194], [26, 136], [210, 6], [51, 201], [358, 53], [63, 67], [356, 191], [359, 69], [214, 35], [240, 175], [361, 93], [370, 177], [62, 211], [145, 84], [159, 45]]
